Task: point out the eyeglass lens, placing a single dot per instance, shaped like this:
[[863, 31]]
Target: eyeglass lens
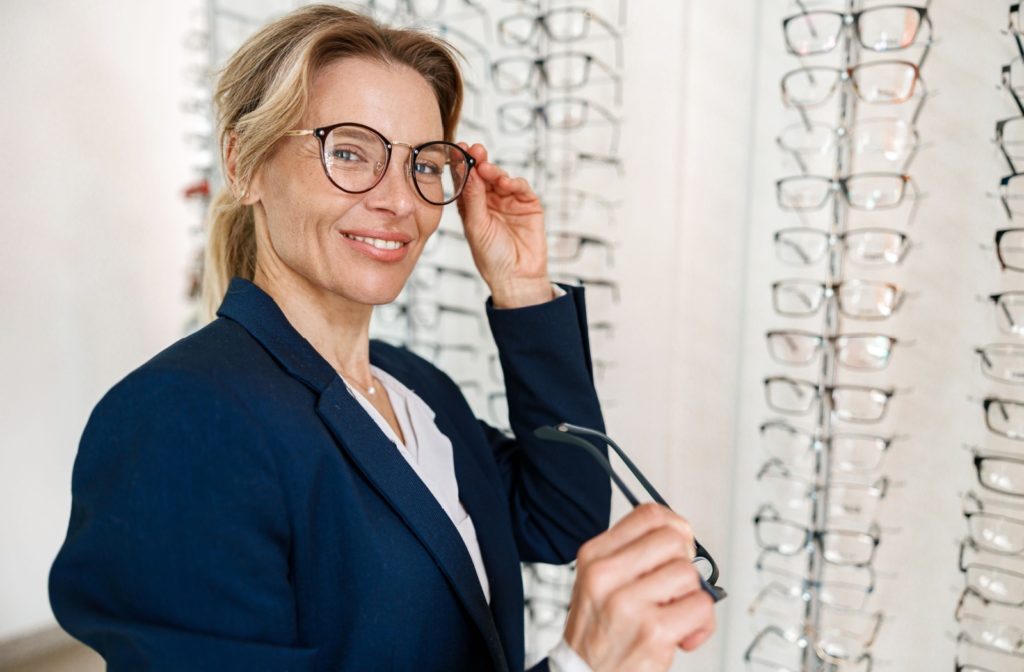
[[356, 158]]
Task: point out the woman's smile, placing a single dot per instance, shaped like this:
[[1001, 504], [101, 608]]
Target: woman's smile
[[385, 246]]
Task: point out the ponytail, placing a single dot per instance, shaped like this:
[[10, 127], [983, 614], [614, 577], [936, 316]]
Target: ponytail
[[230, 249]]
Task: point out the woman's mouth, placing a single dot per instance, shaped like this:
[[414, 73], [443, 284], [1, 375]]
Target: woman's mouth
[[379, 243], [379, 249]]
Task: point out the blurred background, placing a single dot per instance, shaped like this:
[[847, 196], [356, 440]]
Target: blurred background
[[798, 227]]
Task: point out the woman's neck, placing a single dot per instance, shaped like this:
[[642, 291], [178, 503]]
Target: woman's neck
[[336, 327]]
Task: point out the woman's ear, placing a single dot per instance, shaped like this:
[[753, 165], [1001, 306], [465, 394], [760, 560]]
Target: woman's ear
[[247, 194]]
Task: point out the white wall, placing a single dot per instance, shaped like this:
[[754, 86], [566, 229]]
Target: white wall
[[921, 521], [92, 268]]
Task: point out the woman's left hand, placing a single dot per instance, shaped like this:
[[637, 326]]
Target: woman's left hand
[[504, 224]]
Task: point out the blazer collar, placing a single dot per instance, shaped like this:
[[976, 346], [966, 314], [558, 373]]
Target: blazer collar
[[372, 453]]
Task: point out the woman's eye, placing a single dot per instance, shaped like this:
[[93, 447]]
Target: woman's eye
[[342, 154], [428, 168]]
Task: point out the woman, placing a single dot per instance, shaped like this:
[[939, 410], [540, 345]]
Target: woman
[[276, 492]]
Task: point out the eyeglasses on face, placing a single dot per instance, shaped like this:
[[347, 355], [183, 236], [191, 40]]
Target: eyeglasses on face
[[573, 435], [880, 29], [872, 246], [355, 157]]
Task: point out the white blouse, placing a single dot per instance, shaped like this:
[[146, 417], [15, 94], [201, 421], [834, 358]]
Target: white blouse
[[429, 452]]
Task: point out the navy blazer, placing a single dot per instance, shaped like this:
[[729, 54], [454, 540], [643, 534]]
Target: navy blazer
[[235, 508]]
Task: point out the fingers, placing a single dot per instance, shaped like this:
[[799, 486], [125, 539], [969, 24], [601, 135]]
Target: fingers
[[690, 620], [494, 178], [670, 581], [634, 525], [646, 554]]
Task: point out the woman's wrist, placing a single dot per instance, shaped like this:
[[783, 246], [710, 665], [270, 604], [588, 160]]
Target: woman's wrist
[[522, 293]]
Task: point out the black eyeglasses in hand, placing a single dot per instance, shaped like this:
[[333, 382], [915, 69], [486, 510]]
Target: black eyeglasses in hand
[[568, 433]]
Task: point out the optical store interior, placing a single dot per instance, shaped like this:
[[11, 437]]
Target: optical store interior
[[799, 226]]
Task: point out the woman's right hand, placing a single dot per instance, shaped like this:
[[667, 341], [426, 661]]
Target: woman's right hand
[[637, 596]]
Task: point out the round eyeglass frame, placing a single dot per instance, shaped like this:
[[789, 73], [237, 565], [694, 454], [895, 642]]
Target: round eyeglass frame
[[323, 132]]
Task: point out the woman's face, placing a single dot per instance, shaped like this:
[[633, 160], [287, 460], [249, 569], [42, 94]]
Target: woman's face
[[305, 225]]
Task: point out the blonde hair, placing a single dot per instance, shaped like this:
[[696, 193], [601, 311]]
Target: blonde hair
[[263, 91]]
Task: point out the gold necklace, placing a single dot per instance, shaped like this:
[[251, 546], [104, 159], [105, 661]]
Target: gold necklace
[[371, 390]]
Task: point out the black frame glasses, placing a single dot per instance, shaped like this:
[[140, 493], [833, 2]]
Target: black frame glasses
[[380, 168], [1010, 248], [571, 434]]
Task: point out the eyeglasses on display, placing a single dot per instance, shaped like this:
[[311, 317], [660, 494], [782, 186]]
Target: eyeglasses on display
[[882, 28], [878, 82], [850, 403], [1003, 362], [863, 191], [563, 71], [1004, 417], [867, 352], [857, 299], [839, 546], [848, 451], [1010, 249], [994, 532], [872, 246], [893, 140]]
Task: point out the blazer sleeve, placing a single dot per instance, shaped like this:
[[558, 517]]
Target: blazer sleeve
[[559, 497], [176, 555]]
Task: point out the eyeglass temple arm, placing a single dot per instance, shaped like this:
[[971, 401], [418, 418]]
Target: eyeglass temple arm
[[552, 434], [622, 455], [562, 434]]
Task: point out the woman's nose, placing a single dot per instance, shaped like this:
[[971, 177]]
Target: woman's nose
[[395, 192]]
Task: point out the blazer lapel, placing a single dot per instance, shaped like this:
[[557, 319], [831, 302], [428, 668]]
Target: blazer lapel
[[374, 455], [487, 507]]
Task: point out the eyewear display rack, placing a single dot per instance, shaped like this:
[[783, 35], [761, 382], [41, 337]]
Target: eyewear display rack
[[556, 124], [988, 614], [819, 532], [537, 77]]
